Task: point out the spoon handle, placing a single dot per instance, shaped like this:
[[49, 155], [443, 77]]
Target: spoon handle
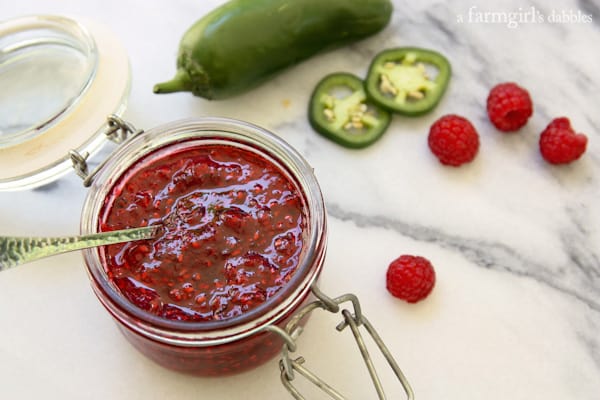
[[19, 250]]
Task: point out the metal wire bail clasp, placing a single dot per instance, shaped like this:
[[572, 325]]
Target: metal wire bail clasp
[[118, 131], [355, 320]]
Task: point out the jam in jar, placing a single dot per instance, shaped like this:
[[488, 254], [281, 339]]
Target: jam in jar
[[240, 242]]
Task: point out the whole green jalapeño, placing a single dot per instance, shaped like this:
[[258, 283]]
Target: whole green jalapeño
[[400, 80], [340, 110]]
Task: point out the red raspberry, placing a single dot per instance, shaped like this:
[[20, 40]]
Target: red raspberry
[[559, 144], [410, 278], [453, 140], [509, 106]]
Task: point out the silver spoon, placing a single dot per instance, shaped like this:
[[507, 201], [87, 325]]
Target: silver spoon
[[19, 250]]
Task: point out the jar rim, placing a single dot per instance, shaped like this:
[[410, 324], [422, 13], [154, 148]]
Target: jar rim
[[208, 131]]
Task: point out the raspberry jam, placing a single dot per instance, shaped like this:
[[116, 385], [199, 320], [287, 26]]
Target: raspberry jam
[[232, 226], [241, 242]]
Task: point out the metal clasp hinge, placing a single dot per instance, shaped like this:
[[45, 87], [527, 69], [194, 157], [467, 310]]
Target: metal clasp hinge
[[293, 329], [117, 131]]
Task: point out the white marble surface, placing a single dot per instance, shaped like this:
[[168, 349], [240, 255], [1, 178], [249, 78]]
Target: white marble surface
[[516, 242]]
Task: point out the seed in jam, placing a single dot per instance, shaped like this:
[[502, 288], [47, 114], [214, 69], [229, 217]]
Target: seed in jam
[[231, 237]]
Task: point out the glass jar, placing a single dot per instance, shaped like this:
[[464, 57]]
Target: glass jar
[[215, 347], [59, 80]]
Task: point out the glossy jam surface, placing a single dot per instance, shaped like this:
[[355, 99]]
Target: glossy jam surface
[[231, 237]]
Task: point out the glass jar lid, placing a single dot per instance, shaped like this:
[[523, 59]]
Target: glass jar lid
[[60, 79]]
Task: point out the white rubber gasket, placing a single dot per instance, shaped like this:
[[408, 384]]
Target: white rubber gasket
[[45, 158]]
